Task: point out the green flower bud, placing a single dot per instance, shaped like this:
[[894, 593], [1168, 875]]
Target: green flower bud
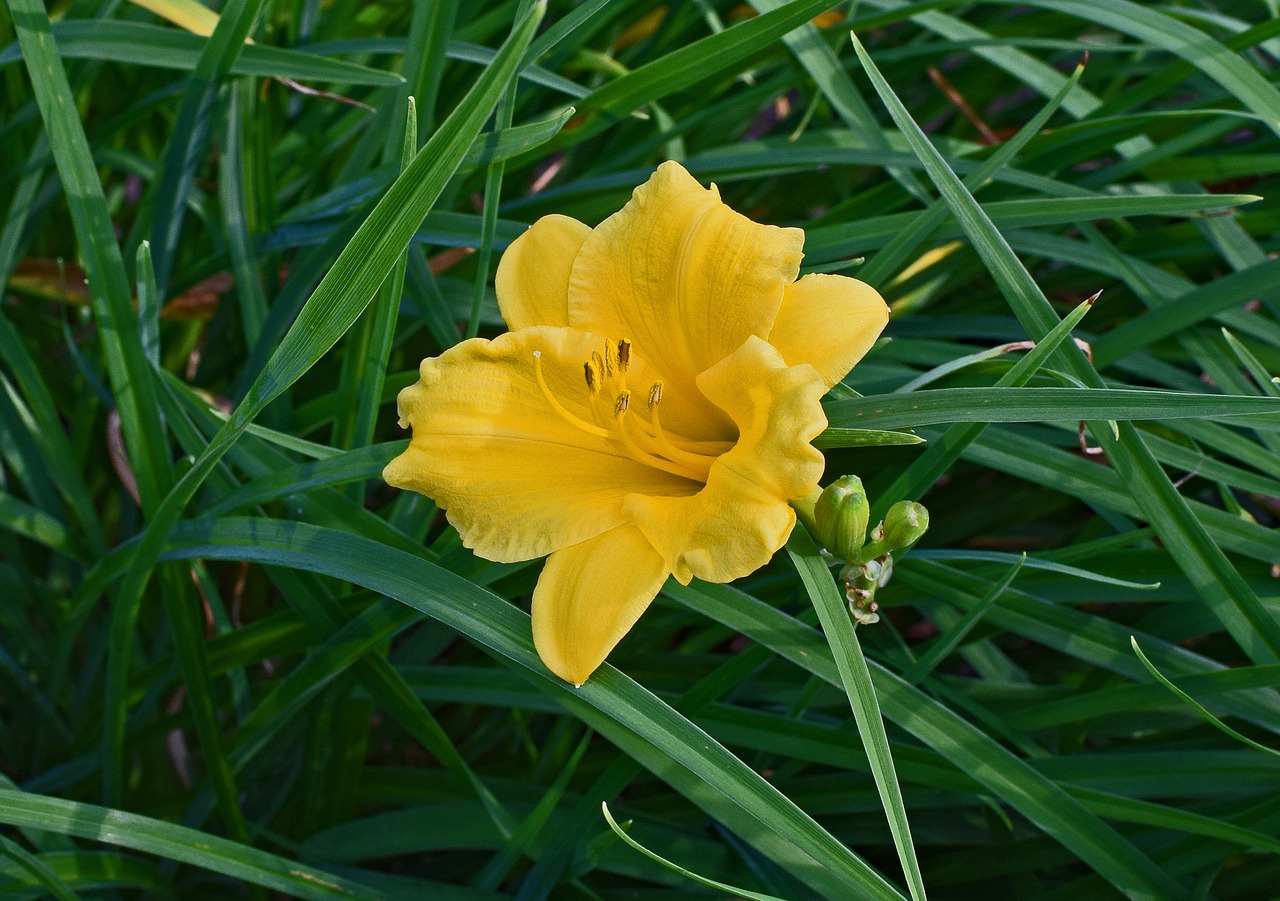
[[841, 514], [905, 522]]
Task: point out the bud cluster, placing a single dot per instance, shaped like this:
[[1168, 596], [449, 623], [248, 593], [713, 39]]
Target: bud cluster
[[841, 515]]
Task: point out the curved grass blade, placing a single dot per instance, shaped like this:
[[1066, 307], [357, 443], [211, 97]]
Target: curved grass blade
[[21, 518], [893, 254], [1196, 705], [364, 364], [37, 869], [676, 868], [1032, 563], [818, 59], [946, 449], [1185, 310], [1090, 639]]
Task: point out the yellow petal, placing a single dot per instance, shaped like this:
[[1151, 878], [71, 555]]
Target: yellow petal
[[686, 278], [589, 595], [516, 479], [830, 322], [736, 523], [194, 17], [533, 276]]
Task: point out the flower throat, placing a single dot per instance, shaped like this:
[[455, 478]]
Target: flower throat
[[615, 417]]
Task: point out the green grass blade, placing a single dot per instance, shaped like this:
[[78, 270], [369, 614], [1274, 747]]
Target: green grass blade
[[856, 678], [148, 305], [839, 437], [370, 255], [687, 66], [227, 858], [190, 131], [676, 868], [142, 44], [900, 247], [368, 344], [37, 869], [827, 72], [1186, 310], [1197, 706], [951, 639], [109, 291], [237, 217], [1000, 404]]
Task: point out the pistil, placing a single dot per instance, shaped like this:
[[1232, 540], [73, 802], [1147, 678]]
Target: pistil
[[559, 407]]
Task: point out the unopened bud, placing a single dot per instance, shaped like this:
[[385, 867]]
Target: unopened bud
[[841, 514], [905, 522]]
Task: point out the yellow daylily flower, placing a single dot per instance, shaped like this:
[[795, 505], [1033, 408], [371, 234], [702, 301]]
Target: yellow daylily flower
[[649, 414]]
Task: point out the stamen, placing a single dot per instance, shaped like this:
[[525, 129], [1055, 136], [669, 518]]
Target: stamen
[[640, 455], [642, 438], [559, 407], [700, 463]]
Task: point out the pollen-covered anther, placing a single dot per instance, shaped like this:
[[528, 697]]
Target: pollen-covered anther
[[610, 361], [620, 405], [592, 372], [624, 354], [655, 394]]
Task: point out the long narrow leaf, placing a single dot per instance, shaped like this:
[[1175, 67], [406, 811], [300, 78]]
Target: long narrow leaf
[[856, 678]]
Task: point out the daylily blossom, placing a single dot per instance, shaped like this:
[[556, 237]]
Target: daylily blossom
[[649, 414]]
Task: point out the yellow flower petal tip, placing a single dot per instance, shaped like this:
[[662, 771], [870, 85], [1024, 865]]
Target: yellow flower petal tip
[[649, 414]]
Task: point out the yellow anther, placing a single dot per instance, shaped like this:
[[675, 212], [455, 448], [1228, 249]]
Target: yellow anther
[[610, 359], [624, 354], [620, 405], [655, 394], [593, 375]]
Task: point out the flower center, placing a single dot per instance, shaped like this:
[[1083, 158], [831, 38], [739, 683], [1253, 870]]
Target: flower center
[[620, 422]]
